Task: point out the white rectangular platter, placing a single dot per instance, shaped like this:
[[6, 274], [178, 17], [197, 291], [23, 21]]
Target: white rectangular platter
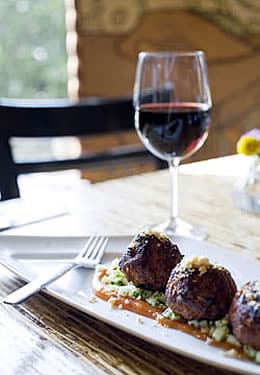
[[31, 256]]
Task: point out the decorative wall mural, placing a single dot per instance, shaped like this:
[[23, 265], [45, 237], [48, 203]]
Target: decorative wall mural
[[112, 32], [120, 16]]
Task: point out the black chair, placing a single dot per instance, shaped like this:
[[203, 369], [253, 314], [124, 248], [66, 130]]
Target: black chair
[[59, 117]]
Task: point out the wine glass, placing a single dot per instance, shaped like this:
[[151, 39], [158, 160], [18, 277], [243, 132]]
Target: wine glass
[[172, 116]]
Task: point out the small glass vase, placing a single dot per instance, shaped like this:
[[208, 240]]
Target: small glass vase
[[247, 193], [253, 179]]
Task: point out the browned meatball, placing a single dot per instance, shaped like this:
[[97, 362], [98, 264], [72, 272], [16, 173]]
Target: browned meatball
[[244, 314], [199, 290], [149, 260]]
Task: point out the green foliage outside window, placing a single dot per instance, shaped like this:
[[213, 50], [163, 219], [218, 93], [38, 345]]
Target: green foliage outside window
[[32, 49]]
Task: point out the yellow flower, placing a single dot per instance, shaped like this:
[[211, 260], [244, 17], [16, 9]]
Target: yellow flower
[[248, 146], [249, 143]]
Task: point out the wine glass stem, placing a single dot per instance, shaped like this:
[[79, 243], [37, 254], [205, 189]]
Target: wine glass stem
[[173, 166]]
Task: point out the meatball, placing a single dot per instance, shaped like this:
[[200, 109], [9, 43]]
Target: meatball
[[149, 260], [244, 314], [199, 290]]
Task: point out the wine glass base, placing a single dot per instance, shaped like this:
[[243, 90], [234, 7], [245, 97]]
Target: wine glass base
[[180, 227]]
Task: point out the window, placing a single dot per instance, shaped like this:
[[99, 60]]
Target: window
[[33, 64], [32, 50]]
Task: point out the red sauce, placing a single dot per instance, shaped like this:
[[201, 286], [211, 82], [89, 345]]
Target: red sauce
[[144, 309]]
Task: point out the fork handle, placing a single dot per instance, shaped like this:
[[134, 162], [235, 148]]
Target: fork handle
[[28, 290]]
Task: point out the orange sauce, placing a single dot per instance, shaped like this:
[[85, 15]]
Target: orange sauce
[[143, 308], [182, 326], [127, 303], [130, 304]]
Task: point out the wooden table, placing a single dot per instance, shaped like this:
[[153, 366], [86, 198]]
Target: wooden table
[[44, 336]]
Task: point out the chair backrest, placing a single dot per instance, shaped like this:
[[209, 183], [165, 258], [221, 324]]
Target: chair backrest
[[55, 118]]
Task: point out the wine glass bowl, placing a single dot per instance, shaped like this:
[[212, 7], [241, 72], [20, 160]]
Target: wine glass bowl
[[172, 114], [172, 130]]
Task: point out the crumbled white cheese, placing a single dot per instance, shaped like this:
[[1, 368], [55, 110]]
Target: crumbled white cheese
[[101, 267], [112, 301], [257, 286], [231, 353], [139, 320], [92, 299]]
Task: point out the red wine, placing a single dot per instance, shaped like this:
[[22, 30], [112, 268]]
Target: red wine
[[171, 130]]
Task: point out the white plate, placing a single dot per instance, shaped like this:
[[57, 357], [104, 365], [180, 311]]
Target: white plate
[[28, 256]]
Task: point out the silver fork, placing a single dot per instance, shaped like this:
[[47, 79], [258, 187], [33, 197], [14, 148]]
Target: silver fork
[[88, 257]]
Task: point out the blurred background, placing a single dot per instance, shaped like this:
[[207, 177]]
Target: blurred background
[[33, 58], [81, 48]]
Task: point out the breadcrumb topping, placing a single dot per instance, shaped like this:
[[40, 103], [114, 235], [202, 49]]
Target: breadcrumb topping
[[150, 232], [162, 237], [198, 263], [159, 235], [202, 264], [252, 294]]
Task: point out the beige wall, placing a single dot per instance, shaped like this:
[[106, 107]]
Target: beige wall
[[110, 33]]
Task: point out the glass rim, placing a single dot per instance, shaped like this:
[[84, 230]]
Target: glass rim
[[171, 53]]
